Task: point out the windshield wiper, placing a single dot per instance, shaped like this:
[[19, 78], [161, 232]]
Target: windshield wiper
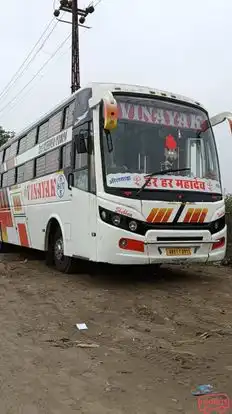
[[159, 173]]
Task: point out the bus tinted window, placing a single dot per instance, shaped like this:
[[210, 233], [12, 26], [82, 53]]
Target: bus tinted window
[[4, 179], [31, 138], [55, 124], [20, 174], [81, 161], [52, 161], [66, 155], [69, 115], [40, 166], [22, 145], [13, 149], [43, 132], [82, 102], [7, 154], [29, 170], [11, 177]]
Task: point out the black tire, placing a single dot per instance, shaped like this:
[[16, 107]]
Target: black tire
[[155, 267], [5, 248], [55, 254]]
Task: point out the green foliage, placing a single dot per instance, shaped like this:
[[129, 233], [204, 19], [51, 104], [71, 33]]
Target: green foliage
[[5, 135], [228, 202]]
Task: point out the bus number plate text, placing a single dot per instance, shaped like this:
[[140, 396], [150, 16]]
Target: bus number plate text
[[178, 252]]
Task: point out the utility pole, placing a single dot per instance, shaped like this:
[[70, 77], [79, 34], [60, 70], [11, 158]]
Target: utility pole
[[71, 6]]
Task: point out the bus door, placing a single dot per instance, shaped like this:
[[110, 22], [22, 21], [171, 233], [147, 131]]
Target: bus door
[[84, 204]]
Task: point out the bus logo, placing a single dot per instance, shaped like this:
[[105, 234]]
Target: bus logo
[[60, 186]]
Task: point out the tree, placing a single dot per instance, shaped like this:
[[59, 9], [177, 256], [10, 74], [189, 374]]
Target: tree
[[5, 135]]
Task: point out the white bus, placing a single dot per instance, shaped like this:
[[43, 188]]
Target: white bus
[[119, 174]]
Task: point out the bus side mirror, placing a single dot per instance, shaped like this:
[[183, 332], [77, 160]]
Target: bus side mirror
[[110, 112], [219, 118]]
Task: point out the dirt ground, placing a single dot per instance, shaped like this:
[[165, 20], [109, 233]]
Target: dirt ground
[[153, 338]]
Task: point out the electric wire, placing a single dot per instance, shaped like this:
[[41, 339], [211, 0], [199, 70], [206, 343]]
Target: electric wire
[[43, 66], [37, 74], [16, 75], [34, 84]]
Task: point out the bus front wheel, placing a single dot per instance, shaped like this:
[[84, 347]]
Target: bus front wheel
[[64, 264]]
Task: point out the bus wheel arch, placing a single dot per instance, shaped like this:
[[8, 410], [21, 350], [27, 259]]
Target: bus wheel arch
[[54, 247]]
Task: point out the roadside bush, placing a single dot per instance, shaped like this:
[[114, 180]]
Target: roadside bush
[[228, 202]]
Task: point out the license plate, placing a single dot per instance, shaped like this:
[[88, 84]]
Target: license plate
[[178, 252]]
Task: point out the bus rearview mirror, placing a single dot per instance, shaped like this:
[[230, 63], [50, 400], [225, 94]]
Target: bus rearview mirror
[[110, 113], [219, 118]]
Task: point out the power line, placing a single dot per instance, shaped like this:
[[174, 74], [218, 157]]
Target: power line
[[7, 87], [37, 73], [43, 66], [20, 74], [30, 89], [97, 3]]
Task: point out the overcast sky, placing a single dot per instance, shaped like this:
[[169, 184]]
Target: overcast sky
[[181, 46]]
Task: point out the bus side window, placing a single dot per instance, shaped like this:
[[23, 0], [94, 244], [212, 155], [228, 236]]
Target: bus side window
[[31, 138], [4, 179], [22, 145], [43, 132], [68, 115], [81, 164], [66, 156], [11, 175], [6, 154], [29, 170], [40, 166], [52, 161], [55, 124], [20, 174]]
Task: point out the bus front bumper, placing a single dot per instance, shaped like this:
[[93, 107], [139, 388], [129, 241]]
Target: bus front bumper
[[117, 246]]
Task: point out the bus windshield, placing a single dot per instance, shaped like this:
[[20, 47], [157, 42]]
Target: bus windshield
[[156, 135]]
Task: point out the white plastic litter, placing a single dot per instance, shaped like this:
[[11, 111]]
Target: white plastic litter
[[81, 326]]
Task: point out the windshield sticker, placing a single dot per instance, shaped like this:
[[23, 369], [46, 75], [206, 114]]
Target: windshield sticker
[[120, 179], [166, 183], [153, 115]]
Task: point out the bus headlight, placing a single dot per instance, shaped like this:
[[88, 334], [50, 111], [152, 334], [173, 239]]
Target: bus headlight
[[116, 220], [128, 223], [133, 225], [217, 225], [103, 215]]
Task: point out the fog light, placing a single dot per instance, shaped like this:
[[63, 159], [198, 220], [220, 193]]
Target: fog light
[[103, 215], [122, 243], [133, 225], [133, 245], [116, 220]]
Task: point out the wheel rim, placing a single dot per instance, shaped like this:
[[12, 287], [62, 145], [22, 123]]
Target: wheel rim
[[59, 250]]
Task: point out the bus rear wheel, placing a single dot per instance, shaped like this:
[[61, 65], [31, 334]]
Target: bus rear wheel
[[64, 264]]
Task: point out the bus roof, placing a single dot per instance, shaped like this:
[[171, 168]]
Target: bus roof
[[98, 89], [145, 90]]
